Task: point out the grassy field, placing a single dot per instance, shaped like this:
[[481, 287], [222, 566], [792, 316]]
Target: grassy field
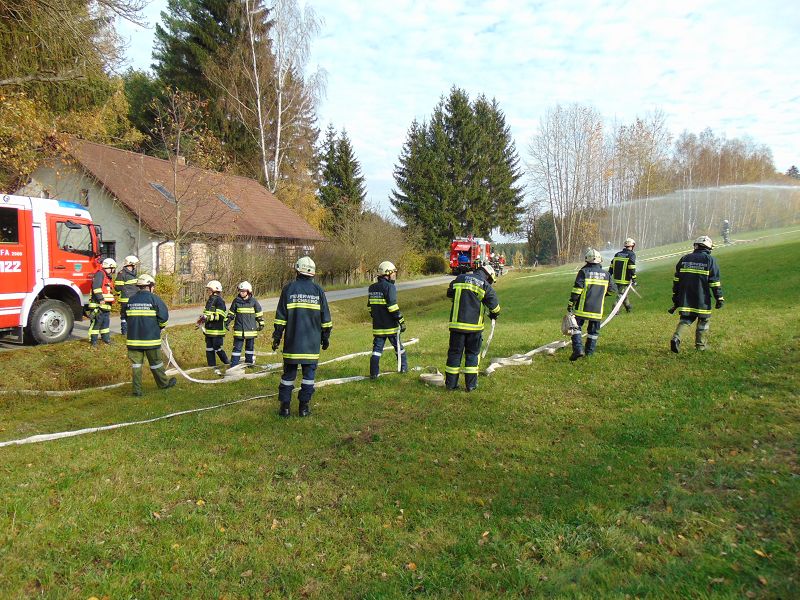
[[636, 473]]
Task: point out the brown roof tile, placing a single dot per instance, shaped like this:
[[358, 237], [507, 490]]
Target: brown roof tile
[[130, 177]]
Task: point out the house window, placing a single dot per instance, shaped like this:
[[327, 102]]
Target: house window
[[9, 226], [108, 249], [185, 260], [163, 191], [229, 203], [85, 197]]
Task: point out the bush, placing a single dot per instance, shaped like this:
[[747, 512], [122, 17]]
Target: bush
[[434, 263], [167, 286]]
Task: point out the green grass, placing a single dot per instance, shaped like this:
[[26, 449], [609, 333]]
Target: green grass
[[637, 473]]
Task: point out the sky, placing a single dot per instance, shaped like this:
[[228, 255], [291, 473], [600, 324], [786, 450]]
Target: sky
[[731, 65]]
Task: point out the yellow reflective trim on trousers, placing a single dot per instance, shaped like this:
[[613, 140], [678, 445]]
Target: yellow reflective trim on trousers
[[391, 331], [280, 322], [393, 308], [695, 271], [137, 343], [308, 305], [245, 334], [452, 370], [699, 311], [479, 291], [301, 356], [469, 370]]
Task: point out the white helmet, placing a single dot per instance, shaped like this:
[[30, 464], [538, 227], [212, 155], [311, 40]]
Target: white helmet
[[216, 286], [490, 272], [245, 286], [131, 261], [145, 280], [305, 266], [629, 242], [593, 256], [109, 263], [726, 221], [704, 241], [386, 268]]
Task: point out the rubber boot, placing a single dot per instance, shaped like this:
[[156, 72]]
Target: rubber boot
[[285, 398], [403, 362], [284, 411], [577, 347], [471, 381], [304, 410], [591, 344], [106, 337], [94, 341], [374, 366], [451, 381], [675, 342], [701, 335], [123, 328]]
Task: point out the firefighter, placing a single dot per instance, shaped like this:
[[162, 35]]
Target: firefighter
[[213, 323], [726, 231], [696, 279], [623, 270], [387, 320], [125, 287], [147, 316], [248, 319], [592, 285], [472, 295], [100, 303], [305, 319]]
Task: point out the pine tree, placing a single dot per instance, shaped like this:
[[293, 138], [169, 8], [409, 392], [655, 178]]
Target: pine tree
[[458, 174], [342, 191], [793, 172]]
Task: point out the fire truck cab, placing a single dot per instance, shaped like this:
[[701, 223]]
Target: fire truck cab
[[468, 253], [49, 251]]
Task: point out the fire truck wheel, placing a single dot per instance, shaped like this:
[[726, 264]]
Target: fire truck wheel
[[50, 321]]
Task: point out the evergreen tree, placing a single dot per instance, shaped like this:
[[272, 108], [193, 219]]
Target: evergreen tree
[[793, 172], [458, 174], [341, 191]]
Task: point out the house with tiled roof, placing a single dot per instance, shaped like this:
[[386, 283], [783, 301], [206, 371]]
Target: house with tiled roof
[[144, 204]]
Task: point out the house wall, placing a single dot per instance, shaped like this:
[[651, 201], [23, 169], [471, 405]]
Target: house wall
[[69, 182]]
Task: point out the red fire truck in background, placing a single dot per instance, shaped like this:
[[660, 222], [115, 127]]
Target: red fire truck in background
[[468, 253], [49, 250]]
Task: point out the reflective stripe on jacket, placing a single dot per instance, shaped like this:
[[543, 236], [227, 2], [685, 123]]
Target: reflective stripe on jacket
[[589, 291], [696, 279], [246, 315], [214, 314], [125, 284], [102, 291], [303, 315], [471, 292], [147, 316], [383, 307], [623, 267]]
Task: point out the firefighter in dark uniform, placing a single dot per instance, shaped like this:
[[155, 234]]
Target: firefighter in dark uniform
[[125, 286], [305, 319], [147, 316], [213, 323], [248, 319], [102, 299], [387, 320], [623, 270], [726, 231], [592, 285], [471, 293], [696, 279]]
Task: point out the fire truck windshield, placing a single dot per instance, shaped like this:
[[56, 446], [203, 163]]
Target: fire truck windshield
[[75, 237]]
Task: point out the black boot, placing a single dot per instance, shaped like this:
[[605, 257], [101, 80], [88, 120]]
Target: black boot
[[577, 347], [284, 411], [304, 410], [451, 381], [591, 344]]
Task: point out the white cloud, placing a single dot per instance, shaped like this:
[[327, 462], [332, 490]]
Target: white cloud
[[726, 64]]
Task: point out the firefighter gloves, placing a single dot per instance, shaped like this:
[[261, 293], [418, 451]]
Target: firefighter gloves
[[720, 303]]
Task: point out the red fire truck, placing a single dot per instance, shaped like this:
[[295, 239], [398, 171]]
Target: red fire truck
[[49, 250], [468, 253]]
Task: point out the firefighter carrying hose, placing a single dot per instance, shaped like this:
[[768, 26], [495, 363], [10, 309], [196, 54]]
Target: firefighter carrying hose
[[387, 320], [147, 316], [305, 319], [623, 270], [592, 285], [125, 287], [102, 299], [696, 279], [248, 319], [471, 292]]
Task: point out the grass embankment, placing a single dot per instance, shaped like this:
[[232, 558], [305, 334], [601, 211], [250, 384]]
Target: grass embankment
[[636, 472]]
